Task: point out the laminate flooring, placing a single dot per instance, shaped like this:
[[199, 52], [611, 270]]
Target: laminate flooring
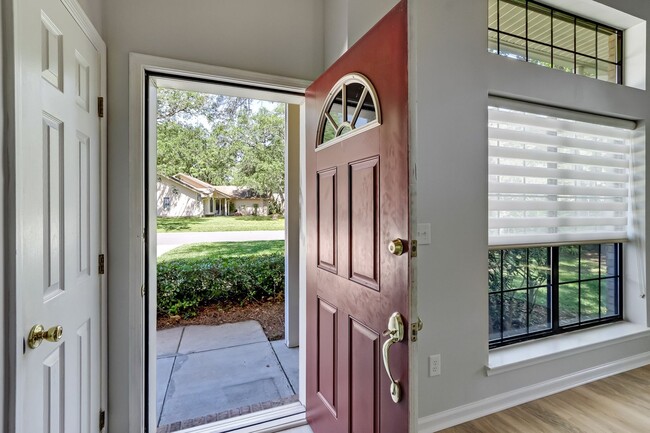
[[617, 404]]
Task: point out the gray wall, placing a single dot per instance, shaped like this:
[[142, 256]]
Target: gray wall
[[93, 9], [283, 37], [452, 74]]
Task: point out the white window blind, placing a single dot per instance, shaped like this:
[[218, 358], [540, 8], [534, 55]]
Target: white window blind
[[554, 179]]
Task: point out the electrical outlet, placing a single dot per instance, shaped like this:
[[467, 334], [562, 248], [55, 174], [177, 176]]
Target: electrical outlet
[[424, 234], [434, 365]]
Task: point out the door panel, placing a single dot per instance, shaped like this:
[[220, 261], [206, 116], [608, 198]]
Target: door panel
[[358, 202], [327, 337], [364, 221], [58, 219], [326, 192], [364, 369]]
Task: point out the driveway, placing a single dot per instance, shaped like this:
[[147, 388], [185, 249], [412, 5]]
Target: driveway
[[169, 241]]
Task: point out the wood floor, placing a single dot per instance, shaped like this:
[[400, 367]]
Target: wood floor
[[618, 404]]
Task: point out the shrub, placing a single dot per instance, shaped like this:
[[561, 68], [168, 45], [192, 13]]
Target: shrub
[[184, 286]]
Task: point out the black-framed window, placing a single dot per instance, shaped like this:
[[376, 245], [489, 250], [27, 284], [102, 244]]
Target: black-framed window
[[536, 33], [541, 291]]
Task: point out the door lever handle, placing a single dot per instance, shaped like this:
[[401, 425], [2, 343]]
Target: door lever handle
[[395, 334]]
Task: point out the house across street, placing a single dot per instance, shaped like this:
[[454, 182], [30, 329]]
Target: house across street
[[184, 195]]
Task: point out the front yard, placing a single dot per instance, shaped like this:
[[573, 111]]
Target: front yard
[[213, 251], [219, 224]]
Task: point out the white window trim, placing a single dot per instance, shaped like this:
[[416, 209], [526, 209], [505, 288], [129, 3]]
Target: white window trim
[[526, 354]]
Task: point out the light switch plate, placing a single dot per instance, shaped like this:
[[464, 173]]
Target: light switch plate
[[424, 234]]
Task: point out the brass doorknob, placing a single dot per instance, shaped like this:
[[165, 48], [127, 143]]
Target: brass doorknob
[[396, 247], [38, 333]]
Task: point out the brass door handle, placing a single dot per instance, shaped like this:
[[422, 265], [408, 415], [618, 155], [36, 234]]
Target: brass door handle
[[396, 247], [38, 333], [395, 333]]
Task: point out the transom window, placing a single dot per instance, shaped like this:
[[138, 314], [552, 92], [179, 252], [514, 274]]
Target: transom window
[[351, 106], [530, 31]]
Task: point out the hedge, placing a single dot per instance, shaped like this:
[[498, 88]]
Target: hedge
[[184, 286]]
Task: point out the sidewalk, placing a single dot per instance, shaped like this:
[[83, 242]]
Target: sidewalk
[[216, 372], [169, 241]]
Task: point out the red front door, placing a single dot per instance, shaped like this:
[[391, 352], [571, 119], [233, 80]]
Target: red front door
[[357, 205]]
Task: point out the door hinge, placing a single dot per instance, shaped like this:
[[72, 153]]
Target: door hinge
[[415, 328], [414, 248], [102, 419], [100, 106], [142, 291], [101, 264]]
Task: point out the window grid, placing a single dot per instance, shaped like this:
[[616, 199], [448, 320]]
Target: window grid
[[618, 64], [554, 281]]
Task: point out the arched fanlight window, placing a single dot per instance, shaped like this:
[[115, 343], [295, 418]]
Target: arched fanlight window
[[351, 106]]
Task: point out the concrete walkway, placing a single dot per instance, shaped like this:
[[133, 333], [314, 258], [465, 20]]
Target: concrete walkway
[[169, 241], [215, 372]]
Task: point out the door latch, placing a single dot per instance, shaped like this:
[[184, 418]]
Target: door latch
[[415, 328]]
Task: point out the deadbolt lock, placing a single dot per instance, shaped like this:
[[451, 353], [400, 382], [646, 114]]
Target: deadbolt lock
[[38, 333]]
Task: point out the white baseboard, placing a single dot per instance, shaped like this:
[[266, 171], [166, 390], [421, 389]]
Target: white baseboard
[[468, 412]]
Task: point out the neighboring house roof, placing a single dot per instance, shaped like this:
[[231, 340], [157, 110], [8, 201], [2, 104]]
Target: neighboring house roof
[[205, 189], [173, 180], [195, 183], [240, 192]]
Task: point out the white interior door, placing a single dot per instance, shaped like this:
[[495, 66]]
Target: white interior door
[[58, 229]]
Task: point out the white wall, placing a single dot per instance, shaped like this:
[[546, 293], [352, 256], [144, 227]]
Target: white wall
[[183, 201], [347, 20], [282, 37], [93, 9], [453, 74]]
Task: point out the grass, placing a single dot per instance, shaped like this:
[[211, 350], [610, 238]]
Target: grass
[[219, 224], [576, 300], [222, 250]]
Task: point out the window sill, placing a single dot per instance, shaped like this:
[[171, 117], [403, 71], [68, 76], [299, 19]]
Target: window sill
[[530, 353]]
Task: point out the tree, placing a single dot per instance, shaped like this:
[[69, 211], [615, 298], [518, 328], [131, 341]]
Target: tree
[[262, 155], [222, 140], [192, 150]]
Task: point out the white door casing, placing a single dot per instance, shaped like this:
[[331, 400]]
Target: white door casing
[[265, 86], [59, 223]]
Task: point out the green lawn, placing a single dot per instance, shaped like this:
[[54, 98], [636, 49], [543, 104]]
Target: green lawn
[[584, 300], [222, 250], [219, 224]]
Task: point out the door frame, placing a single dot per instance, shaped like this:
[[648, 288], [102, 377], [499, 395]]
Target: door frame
[[6, 102], [11, 313], [141, 67]]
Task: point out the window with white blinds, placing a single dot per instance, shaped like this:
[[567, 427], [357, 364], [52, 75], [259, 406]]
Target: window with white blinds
[[554, 179]]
